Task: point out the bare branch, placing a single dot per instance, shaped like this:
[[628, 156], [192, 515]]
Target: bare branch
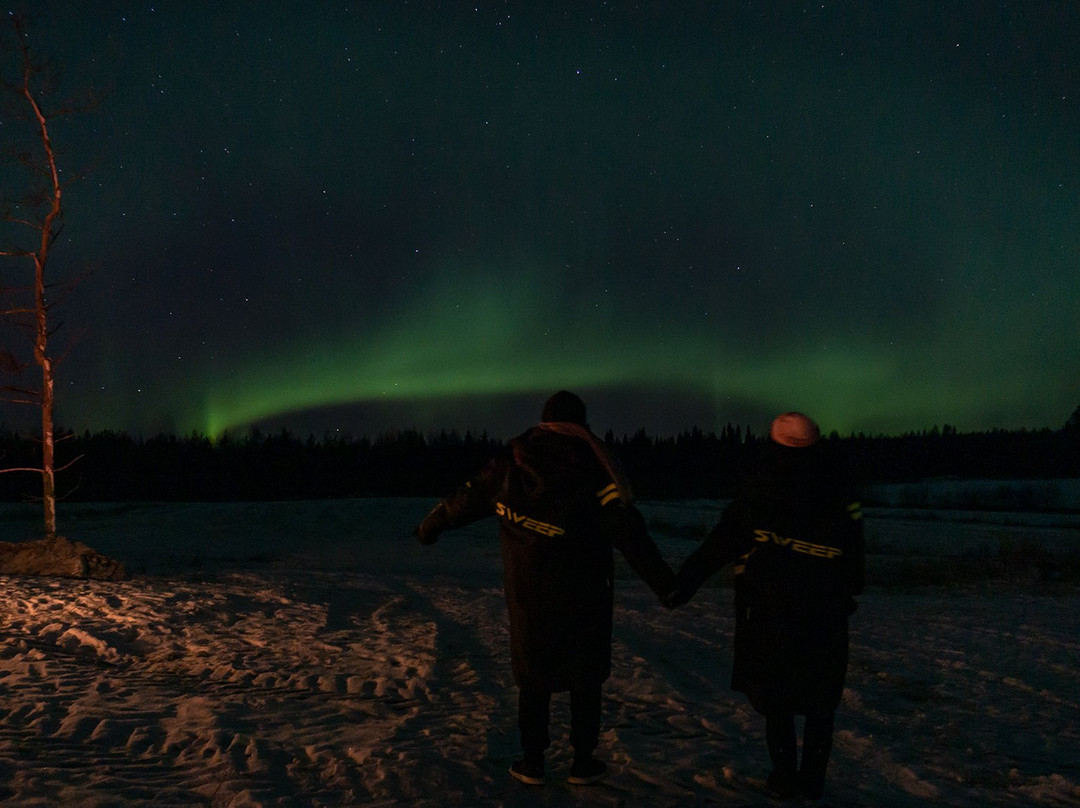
[[71, 490], [70, 463], [16, 253], [63, 355], [35, 397], [28, 223], [56, 233]]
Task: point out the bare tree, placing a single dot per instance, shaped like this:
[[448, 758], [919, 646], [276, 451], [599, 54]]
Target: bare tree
[[36, 216]]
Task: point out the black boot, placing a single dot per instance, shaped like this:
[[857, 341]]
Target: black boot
[[529, 769], [780, 737], [585, 709], [817, 746], [585, 770]]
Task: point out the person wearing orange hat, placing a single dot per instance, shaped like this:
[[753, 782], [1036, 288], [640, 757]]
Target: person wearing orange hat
[[795, 537]]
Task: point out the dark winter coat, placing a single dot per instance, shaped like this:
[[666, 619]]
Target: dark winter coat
[[560, 514], [796, 539]]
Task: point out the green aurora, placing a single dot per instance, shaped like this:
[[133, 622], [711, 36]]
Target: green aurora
[[386, 216], [487, 336]]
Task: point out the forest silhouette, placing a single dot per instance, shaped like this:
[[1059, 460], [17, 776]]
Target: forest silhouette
[[114, 466]]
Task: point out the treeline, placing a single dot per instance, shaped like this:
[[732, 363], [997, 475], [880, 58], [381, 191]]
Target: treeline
[[706, 465], [113, 466]]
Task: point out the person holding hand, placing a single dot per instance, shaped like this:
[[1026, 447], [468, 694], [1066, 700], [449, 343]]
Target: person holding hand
[[563, 503], [795, 538]]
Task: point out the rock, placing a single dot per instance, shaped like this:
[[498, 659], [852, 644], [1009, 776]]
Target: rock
[[60, 557]]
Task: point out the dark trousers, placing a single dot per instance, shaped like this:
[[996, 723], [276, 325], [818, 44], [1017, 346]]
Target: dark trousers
[[534, 715], [817, 745]]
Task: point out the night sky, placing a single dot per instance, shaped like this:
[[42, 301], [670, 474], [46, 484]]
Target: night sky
[[369, 216]]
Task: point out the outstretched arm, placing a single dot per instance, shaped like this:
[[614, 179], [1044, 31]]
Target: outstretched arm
[[470, 502], [631, 537]]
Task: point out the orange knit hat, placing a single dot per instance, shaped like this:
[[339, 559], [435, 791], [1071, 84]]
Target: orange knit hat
[[794, 429]]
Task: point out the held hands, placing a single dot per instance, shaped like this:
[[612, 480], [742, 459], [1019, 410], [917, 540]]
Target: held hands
[[682, 589], [687, 582], [676, 596]]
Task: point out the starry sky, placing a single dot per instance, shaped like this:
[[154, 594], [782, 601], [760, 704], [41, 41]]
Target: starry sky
[[367, 216]]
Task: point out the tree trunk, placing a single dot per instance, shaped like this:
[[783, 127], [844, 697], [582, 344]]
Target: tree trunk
[[41, 310], [41, 355], [48, 474]]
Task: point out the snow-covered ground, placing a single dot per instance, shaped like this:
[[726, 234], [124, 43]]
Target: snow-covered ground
[[313, 654]]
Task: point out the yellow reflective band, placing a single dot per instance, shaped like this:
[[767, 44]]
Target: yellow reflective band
[[740, 566], [855, 509], [608, 494], [797, 545], [527, 522]]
